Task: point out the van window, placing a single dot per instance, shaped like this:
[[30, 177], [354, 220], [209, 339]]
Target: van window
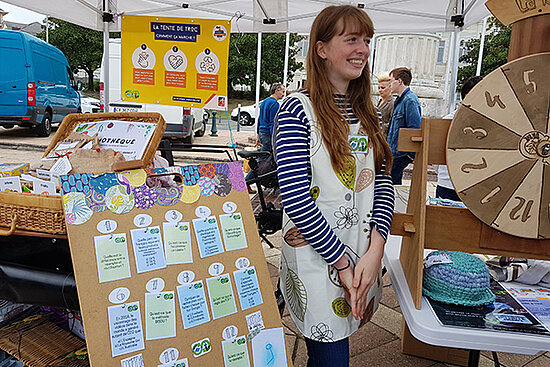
[[71, 77], [60, 74], [42, 68], [12, 64]]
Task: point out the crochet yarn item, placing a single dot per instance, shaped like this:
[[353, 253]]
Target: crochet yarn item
[[465, 281]]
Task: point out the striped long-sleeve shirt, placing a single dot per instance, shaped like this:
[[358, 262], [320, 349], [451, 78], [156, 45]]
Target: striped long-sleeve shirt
[[294, 173]]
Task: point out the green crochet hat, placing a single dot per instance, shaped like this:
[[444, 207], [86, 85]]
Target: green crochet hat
[[465, 281]]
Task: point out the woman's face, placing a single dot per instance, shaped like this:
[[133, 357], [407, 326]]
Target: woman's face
[[346, 56], [384, 89]]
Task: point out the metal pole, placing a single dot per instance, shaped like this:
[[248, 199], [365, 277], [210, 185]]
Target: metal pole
[[448, 66], [285, 72], [481, 44], [258, 65], [106, 81], [239, 117], [47, 30], [371, 56], [214, 129], [454, 72]]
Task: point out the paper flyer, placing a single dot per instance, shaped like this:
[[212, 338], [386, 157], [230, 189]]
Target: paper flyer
[[177, 243], [160, 315], [248, 288], [208, 236], [112, 257], [268, 348], [148, 250], [233, 231], [235, 353], [220, 293], [192, 302], [125, 328]]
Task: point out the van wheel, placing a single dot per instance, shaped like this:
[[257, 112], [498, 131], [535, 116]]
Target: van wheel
[[45, 128]]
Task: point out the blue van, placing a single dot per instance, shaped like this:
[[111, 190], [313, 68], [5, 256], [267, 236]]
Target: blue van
[[37, 87]]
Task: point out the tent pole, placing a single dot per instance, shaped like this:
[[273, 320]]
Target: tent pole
[[371, 56], [481, 44], [448, 66], [258, 65], [454, 71], [285, 72], [47, 29], [106, 80]]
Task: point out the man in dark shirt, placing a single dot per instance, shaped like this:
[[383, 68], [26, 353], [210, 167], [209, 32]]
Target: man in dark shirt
[[268, 111]]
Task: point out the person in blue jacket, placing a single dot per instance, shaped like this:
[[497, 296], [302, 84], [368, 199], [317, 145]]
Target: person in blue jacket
[[406, 114], [268, 111]]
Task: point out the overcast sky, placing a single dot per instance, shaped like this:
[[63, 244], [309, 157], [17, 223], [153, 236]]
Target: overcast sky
[[20, 15]]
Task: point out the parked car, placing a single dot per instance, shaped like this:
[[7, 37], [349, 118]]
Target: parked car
[[89, 104], [181, 122], [248, 114], [37, 87]]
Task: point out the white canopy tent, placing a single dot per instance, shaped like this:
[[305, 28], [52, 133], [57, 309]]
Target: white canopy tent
[[268, 15]]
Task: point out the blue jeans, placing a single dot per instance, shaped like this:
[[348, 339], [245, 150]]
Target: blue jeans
[[335, 354], [399, 165]]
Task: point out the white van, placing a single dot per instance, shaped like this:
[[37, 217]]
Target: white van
[[181, 122]]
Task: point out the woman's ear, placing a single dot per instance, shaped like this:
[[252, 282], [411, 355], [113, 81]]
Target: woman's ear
[[321, 50]]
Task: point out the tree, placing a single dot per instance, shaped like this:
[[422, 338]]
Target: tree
[[83, 47], [495, 52], [242, 59]]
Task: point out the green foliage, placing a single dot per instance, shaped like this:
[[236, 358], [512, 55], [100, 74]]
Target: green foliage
[[495, 52], [83, 47], [242, 62]]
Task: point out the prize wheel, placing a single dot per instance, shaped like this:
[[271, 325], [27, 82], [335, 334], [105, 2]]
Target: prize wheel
[[498, 148]]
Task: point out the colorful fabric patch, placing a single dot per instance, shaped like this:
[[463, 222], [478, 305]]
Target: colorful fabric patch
[[135, 177], [236, 176], [190, 194], [75, 183], [95, 201], [76, 209], [118, 200], [341, 307], [222, 184], [207, 186], [207, 170], [347, 175], [101, 184], [191, 175], [168, 195], [144, 197], [222, 168], [365, 179]]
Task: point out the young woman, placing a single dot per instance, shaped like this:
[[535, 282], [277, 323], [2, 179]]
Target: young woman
[[332, 167], [385, 104]]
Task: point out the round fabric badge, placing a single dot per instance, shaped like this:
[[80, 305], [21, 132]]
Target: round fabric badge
[[190, 194], [236, 177], [144, 197], [341, 307], [118, 200], [190, 175], [222, 184], [76, 209], [95, 201], [206, 185], [222, 168], [365, 179], [167, 196], [135, 177], [101, 184], [207, 170]]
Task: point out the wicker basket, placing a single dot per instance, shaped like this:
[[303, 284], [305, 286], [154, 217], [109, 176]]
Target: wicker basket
[[31, 212], [71, 121]]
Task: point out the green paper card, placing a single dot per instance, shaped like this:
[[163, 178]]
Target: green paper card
[[233, 231], [235, 353], [160, 315], [220, 293], [111, 253], [177, 243]]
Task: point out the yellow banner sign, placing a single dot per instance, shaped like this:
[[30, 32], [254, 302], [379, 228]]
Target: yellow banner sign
[[175, 61]]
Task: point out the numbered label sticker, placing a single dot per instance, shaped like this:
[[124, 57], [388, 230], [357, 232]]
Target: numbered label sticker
[[203, 211], [186, 276], [230, 332], [169, 355], [229, 207], [215, 269], [155, 285], [242, 263], [173, 216], [106, 226], [119, 295], [143, 220]]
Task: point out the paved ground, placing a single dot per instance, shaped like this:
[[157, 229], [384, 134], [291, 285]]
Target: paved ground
[[376, 344]]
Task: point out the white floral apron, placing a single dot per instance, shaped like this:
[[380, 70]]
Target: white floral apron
[[311, 288]]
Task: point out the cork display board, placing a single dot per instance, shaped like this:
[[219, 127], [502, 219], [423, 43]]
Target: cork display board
[[171, 276], [498, 148]]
